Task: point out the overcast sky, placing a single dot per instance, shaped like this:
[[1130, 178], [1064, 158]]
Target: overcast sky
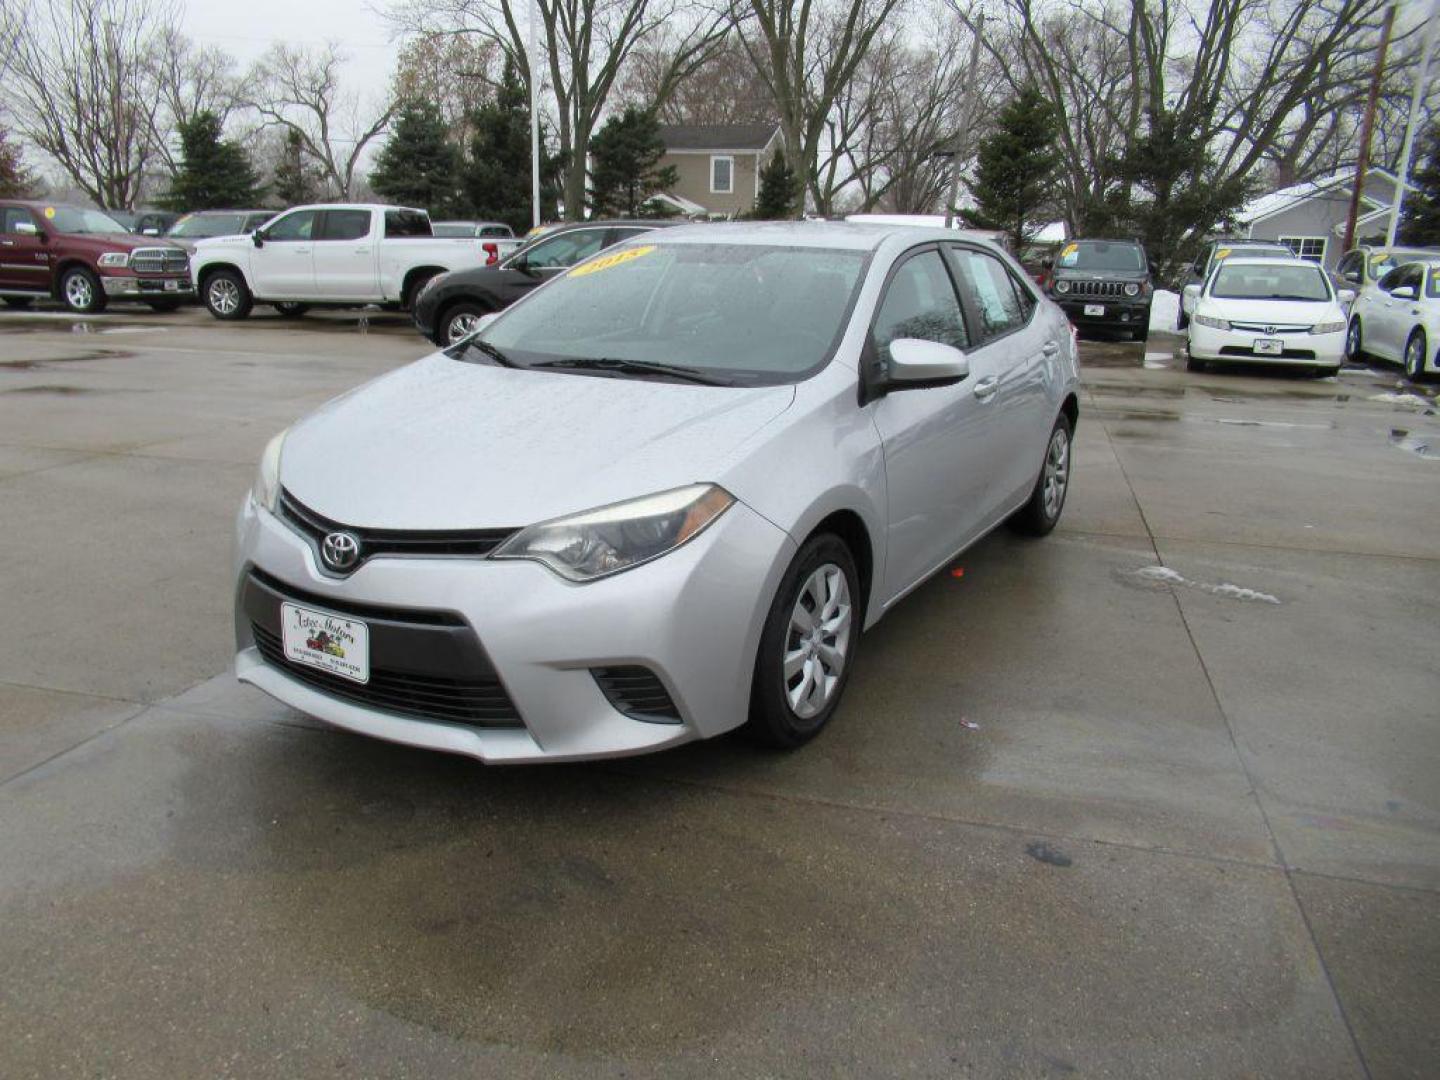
[[246, 30]]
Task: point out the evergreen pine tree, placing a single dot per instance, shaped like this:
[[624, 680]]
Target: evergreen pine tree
[[295, 181], [16, 181], [624, 174], [778, 189], [419, 166], [1014, 168], [214, 173], [495, 181], [1420, 224]]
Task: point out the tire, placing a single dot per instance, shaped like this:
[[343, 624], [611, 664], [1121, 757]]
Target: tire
[[1142, 335], [19, 303], [822, 575], [226, 295], [1042, 512], [1354, 342], [1326, 372], [164, 305], [454, 320], [1191, 364], [81, 292], [407, 302], [1415, 348], [290, 309]]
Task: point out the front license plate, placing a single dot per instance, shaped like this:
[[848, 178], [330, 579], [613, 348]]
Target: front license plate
[[329, 642], [1269, 346], [172, 286], [1094, 309]]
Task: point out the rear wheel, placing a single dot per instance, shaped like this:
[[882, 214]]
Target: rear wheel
[[1415, 356], [227, 296], [289, 309], [1191, 364], [81, 291], [808, 645], [1354, 342], [1047, 499]]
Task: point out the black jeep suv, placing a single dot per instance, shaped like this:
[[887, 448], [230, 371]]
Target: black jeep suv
[[1104, 284]]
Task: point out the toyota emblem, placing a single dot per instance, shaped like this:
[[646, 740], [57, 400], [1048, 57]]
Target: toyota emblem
[[340, 550]]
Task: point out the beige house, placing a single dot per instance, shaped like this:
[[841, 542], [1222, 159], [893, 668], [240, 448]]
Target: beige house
[[719, 166]]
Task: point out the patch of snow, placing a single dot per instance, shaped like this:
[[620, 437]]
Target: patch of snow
[[1413, 401], [1163, 575], [1164, 310]]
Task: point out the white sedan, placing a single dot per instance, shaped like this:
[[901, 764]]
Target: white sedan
[[1399, 319], [1266, 310]]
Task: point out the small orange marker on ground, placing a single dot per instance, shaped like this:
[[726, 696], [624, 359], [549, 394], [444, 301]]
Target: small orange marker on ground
[[957, 571]]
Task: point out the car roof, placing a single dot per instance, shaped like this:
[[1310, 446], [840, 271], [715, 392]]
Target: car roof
[[841, 235], [1269, 260]]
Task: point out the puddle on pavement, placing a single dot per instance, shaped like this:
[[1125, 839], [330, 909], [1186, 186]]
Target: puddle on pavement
[[58, 391], [1167, 415], [1162, 577], [41, 362], [1238, 422], [1414, 444]]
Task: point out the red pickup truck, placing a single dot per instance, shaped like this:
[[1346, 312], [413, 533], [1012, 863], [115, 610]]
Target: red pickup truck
[[84, 258]]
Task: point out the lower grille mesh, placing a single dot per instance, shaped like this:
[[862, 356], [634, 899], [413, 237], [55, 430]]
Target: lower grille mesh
[[638, 693]]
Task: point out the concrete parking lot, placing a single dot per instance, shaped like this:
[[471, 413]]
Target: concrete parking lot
[[1156, 796]]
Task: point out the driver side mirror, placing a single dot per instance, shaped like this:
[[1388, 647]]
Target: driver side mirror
[[1189, 298], [914, 362], [1346, 296], [1352, 276], [258, 237]]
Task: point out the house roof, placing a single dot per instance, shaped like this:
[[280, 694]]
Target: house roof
[[717, 136], [1285, 198]]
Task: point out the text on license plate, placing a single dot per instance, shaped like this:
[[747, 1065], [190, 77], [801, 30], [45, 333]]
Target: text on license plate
[[1094, 309], [1269, 346], [326, 641]]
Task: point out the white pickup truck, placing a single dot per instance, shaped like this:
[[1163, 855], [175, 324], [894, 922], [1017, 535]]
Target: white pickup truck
[[337, 254]]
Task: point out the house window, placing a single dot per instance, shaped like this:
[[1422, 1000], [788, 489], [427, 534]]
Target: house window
[[1307, 247], [722, 175]]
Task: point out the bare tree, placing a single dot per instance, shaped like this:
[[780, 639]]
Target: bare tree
[[807, 53], [586, 43], [722, 88], [190, 80], [298, 90], [82, 88], [458, 74]]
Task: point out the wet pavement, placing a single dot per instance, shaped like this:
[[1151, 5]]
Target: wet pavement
[[1154, 796]]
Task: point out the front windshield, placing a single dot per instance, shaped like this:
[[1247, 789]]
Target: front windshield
[[74, 219], [1101, 255], [199, 226], [739, 313], [1238, 281], [1382, 262]]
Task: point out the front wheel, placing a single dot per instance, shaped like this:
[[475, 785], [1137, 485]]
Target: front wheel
[[1415, 356], [1353, 342], [808, 645], [1047, 499], [459, 321], [227, 296], [81, 291]]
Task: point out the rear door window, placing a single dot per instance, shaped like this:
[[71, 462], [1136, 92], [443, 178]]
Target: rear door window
[[404, 223], [346, 224], [991, 292]]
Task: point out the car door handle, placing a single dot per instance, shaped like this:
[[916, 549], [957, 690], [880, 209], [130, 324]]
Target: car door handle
[[986, 387], [1050, 348]]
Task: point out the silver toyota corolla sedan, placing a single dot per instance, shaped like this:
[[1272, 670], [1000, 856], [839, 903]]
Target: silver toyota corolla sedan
[[660, 497]]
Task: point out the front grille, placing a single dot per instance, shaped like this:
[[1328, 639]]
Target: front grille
[[1268, 329], [159, 261], [424, 664], [638, 693], [1251, 354], [1094, 288], [472, 543]]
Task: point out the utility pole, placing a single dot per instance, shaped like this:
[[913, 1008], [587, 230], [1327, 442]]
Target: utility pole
[[533, 60], [1432, 20], [1362, 161], [976, 28]]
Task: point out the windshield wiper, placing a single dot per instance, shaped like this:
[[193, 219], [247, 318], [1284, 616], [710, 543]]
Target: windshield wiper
[[633, 367], [493, 351]]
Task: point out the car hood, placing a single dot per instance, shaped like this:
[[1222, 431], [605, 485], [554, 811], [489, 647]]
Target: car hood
[[1073, 274], [1295, 312], [442, 444]]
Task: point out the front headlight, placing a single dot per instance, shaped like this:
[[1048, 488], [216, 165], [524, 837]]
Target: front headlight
[[114, 259], [1062, 286], [1132, 289], [1327, 327], [613, 538], [1214, 324], [266, 491]]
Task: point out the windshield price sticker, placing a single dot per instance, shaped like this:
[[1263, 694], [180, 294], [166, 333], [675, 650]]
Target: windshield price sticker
[[605, 262], [1223, 253], [50, 212]]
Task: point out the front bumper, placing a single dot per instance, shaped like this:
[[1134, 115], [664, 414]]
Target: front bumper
[[1116, 313], [157, 286], [1236, 346], [693, 617]]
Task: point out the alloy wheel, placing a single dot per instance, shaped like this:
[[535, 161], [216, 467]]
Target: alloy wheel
[[1352, 341], [1415, 357], [1057, 472], [79, 293], [224, 296], [461, 326], [817, 641]]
